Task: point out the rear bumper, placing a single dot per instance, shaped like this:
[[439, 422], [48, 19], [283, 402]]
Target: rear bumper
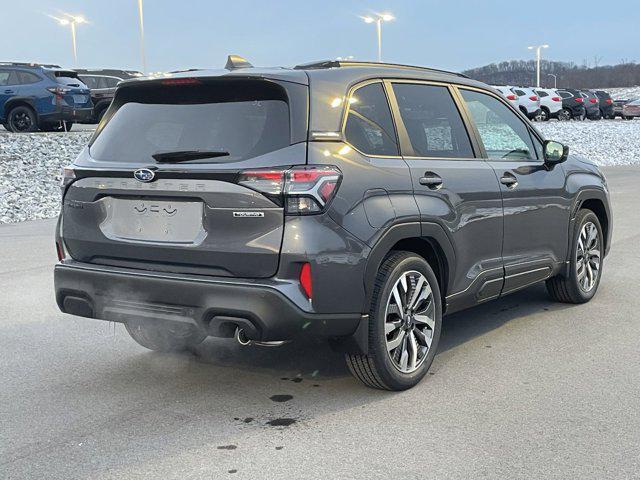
[[67, 114], [217, 306]]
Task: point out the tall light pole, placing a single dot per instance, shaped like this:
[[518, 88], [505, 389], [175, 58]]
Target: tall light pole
[[555, 79], [72, 21], [378, 19], [538, 49], [141, 25]]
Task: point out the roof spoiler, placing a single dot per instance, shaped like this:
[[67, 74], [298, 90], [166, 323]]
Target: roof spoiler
[[235, 62]]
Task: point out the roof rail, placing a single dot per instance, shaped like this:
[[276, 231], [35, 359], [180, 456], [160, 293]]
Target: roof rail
[[351, 63], [32, 64]]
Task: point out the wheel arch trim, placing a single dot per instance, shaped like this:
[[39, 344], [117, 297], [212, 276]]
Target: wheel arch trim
[[424, 231]]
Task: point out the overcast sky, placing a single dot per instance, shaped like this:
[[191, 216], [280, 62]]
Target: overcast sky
[[200, 33]]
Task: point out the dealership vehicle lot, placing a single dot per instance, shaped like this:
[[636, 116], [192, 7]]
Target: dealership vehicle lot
[[521, 386]]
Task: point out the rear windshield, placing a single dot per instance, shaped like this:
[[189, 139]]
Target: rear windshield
[[69, 79], [245, 118]]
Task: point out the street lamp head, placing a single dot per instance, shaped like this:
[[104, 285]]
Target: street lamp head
[[545, 46], [387, 17], [79, 19], [368, 19], [63, 21]]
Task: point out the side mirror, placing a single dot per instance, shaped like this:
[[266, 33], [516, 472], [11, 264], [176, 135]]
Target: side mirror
[[555, 152]]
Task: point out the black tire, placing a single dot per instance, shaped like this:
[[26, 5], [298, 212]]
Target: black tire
[[567, 289], [22, 119], [544, 115], [376, 369], [162, 338], [625, 117]]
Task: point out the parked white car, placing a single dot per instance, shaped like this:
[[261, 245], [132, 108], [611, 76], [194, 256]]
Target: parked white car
[[508, 94], [551, 105], [528, 101]]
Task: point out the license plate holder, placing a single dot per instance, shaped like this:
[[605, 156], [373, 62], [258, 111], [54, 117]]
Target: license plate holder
[[162, 222]]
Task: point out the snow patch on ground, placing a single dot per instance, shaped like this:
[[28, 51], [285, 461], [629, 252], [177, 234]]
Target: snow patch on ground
[[626, 93], [605, 142], [30, 167]]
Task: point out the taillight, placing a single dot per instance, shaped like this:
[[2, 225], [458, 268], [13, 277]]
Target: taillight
[[608, 101], [533, 98], [265, 181], [305, 280], [67, 176], [593, 100], [306, 190], [512, 97], [59, 92], [579, 99], [556, 99]]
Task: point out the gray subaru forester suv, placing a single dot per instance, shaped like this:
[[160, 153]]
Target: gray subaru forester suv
[[355, 201]]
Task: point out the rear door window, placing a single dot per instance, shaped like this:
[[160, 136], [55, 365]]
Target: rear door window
[[90, 81], [242, 118], [432, 120], [565, 94], [369, 126], [110, 82], [27, 78], [503, 133], [4, 77]]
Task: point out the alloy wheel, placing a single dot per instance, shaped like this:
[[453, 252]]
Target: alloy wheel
[[588, 257], [21, 121], [564, 115], [409, 321]]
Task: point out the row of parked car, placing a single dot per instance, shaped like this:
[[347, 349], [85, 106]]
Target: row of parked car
[[567, 103], [50, 98]]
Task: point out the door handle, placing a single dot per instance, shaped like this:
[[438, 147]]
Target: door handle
[[431, 180], [8, 91], [509, 180]]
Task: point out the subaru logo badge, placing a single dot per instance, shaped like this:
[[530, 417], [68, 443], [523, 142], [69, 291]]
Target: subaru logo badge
[[144, 175]]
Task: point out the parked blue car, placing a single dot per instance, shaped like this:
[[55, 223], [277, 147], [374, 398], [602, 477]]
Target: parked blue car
[[41, 97]]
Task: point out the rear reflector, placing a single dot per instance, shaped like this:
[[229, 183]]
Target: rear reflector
[[60, 251], [305, 280]]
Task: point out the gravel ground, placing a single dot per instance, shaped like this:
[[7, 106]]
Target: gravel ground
[[606, 142], [30, 172], [30, 163]]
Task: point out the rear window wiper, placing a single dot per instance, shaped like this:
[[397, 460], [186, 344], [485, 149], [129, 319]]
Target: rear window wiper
[[187, 155]]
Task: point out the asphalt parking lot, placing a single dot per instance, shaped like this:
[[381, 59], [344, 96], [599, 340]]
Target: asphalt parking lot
[[521, 388]]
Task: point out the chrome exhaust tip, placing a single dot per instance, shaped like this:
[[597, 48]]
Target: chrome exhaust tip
[[242, 339]]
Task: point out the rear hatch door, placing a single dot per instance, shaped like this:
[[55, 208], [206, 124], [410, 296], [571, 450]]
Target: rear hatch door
[[143, 199], [75, 93]]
